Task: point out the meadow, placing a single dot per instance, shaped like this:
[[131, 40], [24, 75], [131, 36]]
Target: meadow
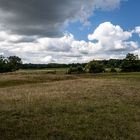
[[48, 105]]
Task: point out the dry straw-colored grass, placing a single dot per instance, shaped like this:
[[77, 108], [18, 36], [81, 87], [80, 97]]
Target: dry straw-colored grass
[[69, 107]]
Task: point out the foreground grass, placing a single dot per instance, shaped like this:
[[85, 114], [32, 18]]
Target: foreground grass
[[96, 107]]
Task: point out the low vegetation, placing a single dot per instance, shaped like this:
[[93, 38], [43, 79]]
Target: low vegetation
[[35, 105], [94, 67], [75, 70]]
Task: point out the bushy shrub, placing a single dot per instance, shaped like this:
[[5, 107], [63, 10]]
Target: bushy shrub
[[76, 70], [94, 67], [113, 70]]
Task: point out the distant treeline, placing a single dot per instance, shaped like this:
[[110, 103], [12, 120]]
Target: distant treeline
[[51, 65], [107, 63], [130, 63]]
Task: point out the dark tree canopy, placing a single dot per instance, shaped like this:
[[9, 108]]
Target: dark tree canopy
[[14, 62], [131, 63], [131, 57], [10, 64]]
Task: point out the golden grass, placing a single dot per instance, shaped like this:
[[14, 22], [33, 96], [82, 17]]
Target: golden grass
[[69, 107]]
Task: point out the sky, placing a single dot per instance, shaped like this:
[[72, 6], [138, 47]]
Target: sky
[[69, 31]]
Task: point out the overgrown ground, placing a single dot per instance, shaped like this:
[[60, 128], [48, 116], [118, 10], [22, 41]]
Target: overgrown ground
[[35, 105]]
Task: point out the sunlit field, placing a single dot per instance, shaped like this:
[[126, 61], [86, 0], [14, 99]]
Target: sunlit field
[[42, 105]]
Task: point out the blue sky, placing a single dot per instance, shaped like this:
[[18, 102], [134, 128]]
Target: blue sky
[[69, 31], [126, 15]]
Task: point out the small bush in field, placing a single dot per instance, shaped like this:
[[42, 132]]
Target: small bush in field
[[76, 70], [113, 70], [94, 67]]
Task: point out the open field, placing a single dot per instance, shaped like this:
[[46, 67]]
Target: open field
[[37, 105]]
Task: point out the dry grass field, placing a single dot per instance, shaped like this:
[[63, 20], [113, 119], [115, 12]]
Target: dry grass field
[[36, 105]]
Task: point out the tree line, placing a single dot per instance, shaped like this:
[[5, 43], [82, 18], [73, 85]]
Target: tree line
[[130, 63], [51, 65]]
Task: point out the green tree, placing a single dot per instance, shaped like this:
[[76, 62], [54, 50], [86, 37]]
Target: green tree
[[14, 63], [2, 63], [131, 63], [131, 57], [94, 67]]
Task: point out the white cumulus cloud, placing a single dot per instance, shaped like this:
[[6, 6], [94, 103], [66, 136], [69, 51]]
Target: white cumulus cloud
[[111, 37], [137, 30], [107, 41]]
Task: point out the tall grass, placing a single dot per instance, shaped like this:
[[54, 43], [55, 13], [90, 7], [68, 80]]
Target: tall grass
[[59, 107]]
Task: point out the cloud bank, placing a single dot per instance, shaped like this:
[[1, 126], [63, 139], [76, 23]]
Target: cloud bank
[[47, 17], [33, 30], [107, 41]]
